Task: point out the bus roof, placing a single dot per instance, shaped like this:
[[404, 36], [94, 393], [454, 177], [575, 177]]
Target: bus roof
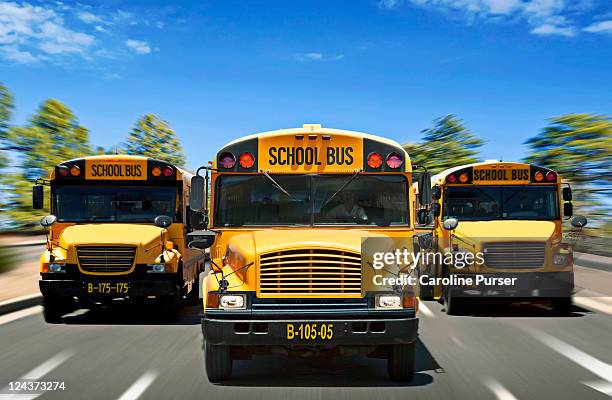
[[439, 178]]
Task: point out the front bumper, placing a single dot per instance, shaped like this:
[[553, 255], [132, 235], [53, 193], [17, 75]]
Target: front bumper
[[524, 285], [80, 288], [346, 332]]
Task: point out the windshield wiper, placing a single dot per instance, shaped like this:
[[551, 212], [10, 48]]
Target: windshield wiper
[[276, 184], [349, 180]]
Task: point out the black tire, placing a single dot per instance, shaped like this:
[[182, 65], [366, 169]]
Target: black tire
[[454, 305], [218, 362], [562, 305], [170, 306], [426, 292], [193, 298], [53, 309], [401, 362]]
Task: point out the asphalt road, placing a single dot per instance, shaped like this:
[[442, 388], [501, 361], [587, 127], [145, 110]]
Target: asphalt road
[[522, 351]]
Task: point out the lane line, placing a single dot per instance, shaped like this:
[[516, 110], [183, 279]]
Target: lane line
[[14, 316], [38, 373], [138, 388], [426, 311], [500, 392], [602, 305]]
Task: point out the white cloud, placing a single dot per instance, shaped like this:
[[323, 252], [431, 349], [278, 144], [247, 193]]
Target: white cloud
[[99, 28], [11, 53], [600, 27], [89, 18], [546, 17], [138, 46], [111, 76], [388, 4], [309, 57]]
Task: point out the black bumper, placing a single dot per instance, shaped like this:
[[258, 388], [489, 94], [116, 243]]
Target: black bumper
[[80, 288], [346, 332], [524, 285]]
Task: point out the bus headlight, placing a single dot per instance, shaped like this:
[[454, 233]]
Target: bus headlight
[[388, 302], [232, 301], [57, 268], [560, 259], [156, 268]]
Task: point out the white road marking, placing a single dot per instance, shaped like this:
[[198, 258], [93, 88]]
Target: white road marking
[[38, 373], [603, 305], [458, 342], [586, 361], [26, 312], [426, 311], [500, 392], [139, 387]]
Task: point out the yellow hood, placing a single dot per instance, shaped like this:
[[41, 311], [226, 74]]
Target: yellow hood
[[101, 234], [515, 230]]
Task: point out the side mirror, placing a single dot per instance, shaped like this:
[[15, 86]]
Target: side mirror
[[163, 221], [567, 194], [423, 217], [450, 224], [38, 197], [197, 220], [200, 239], [424, 188], [436, 192], [578, 221], [568, 209], [196, 193], [436, 209], [47, 221]]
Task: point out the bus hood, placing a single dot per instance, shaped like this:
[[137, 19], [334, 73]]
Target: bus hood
[[515, 230], [110, 234]]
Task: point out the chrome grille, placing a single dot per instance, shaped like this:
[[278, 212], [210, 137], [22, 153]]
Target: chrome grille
[[515, 255], [106, 258], [310, 272]]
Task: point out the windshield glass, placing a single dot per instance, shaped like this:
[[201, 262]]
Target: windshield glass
[[254, 200], [116, 204], [477, 203]]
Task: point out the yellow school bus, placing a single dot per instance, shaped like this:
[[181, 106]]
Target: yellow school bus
[[509, 217], [291, 210], [116, 231]]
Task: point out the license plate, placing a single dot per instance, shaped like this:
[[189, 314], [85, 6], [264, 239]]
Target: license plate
[[108, 288], [310, 331]]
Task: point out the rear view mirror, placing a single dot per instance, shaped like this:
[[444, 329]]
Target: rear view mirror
[[568, 209], [163, 221], [436, 209], [200, 239], [436, 192], [424, 188], [197, 220], [38, 197], [578, 221], [47, 221], [567, 194], [450, 224], [196, 193]]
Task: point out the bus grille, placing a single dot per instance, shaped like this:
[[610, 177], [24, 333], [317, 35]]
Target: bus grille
[[514, 255], [310, 272], [106, 258]]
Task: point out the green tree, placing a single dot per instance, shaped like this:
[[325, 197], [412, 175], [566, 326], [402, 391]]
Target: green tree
[[579, 148], [6, 112], [449, 143], [52, 135], [153, 137]]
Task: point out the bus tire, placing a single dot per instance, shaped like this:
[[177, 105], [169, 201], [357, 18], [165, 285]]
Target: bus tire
[[53, 309], [218, 362], [169, 306], [426, 292], [193, 297], [562, 305], [401, 362], [453, 305]]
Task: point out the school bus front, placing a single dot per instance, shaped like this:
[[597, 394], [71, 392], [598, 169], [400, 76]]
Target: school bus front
[[117, 233], [292, 210], [510, 217]]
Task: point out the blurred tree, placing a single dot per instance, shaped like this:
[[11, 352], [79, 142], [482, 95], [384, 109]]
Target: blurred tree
[[449, 143], [52, 135], [579, 148], [6, 112], [153, 137]]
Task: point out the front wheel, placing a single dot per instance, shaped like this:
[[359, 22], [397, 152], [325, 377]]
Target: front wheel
[[401, 362], [218, 362], [562, 305], [454, 305], [54, 309]]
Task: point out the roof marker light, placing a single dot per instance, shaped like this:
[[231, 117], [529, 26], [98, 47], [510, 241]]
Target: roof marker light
[[538, 176], [156, 171], [63, 170], [75, 170], [375, 160], [168, 171], [452, 178], [463, 178], [394, 160], [227, 160], [551, 176], [247, 160]]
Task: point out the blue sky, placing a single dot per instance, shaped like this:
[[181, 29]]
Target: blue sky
[[219, 70]]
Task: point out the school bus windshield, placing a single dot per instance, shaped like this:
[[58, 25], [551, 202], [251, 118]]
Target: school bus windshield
[[116, 204], [478, 203], [256, 200]]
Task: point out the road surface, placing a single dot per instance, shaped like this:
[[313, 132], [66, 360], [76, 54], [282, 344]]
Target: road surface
[[521, 351]]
